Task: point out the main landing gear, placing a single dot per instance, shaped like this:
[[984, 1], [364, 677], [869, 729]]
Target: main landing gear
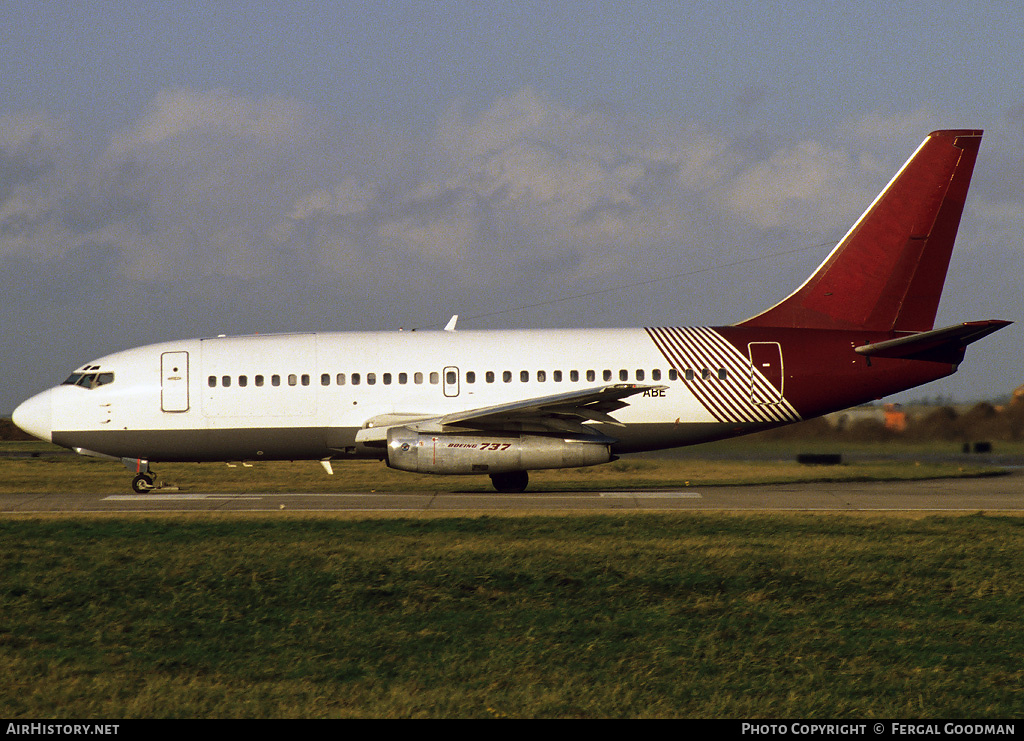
[[145, 478], [512, 482]]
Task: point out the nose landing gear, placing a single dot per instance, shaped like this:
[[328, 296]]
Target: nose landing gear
[[143, 483], [145, 479]]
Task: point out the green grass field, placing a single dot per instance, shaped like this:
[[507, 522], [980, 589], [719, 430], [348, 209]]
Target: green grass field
[[687, 615]]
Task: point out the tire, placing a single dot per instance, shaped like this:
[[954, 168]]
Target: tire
[[142, 483], [512, 482]]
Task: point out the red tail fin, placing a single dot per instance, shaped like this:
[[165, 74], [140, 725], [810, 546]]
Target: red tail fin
[[887, 272]]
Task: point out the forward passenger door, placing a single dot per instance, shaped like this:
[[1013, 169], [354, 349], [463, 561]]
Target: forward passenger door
[[174, 382]]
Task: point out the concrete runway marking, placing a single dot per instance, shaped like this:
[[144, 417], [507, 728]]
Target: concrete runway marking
[[175, 497], [651, 494], [152, 497]]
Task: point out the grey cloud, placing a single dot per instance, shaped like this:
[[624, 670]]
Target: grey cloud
[[20, 167], [215, 183], [97, 202]]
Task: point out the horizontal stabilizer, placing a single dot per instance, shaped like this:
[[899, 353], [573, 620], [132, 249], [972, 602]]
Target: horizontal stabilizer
[[945, 344]]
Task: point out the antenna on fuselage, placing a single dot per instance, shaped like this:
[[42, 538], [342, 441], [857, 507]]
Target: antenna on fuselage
[[450, 326]]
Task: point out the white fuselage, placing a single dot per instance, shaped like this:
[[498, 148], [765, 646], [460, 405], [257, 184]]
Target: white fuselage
[[307, 395]]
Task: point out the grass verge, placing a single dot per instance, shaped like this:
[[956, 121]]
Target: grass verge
[[74, 474]]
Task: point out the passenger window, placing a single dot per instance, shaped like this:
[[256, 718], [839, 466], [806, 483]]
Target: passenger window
[[325, 379], [403, 378], [655, 375], [211, 381], [591, 375], [722, 374], [293, 380], [689, 374], [623, 375], [489, 376], [607, 375], [470, 377], [417, 378], [371, 379], [258, 380], [225, 381], [387, 379], [542, 376], [639, 375], [506, 376], [673, 374], [275, 380], [435, 377], [355, 379], [524, 376], [574, 376], [450, 378], [556, 376], [243, 381], [340, 379], [305, 379]]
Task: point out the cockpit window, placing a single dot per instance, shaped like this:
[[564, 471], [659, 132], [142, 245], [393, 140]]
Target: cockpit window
[[89, 380]]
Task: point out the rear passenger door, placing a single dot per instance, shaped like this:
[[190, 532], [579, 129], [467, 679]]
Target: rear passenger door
[[766, 376]]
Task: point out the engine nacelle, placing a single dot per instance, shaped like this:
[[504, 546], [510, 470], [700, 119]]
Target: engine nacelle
[[409, 450]]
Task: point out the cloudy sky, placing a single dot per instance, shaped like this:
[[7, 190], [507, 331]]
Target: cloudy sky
[[174, 170]]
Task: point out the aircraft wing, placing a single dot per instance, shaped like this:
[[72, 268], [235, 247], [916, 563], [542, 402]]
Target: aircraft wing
[[563, 413]]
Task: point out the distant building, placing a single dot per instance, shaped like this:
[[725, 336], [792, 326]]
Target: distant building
[[895, 418]]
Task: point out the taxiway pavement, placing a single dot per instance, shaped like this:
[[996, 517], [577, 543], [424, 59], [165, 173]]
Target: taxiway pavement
[[991, 494]]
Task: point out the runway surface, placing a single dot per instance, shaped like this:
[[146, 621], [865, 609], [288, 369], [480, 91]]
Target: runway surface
[[993, 494]]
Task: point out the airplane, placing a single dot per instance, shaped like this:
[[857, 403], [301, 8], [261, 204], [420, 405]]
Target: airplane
[[503, 403]]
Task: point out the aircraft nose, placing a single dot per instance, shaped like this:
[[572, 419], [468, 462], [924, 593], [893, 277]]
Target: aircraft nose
[[35, 415]]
